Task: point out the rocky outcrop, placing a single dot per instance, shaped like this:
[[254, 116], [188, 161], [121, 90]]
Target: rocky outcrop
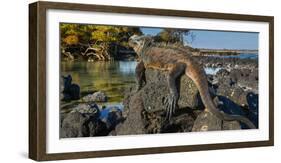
[[247, 79], [145, 110], [142, 121], [95, 97], [206, 121], [133, 114], [156, 91], [235, 91], [85, 120], [182, 121], [73, 126], [236, 84], [69, 90], [76, 124], [111, 116], [253, 107], [227, 63]]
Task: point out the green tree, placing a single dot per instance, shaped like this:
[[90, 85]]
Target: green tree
[[173, 36], [95, 39]]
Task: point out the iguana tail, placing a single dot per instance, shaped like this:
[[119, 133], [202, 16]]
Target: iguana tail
[[200, 79]]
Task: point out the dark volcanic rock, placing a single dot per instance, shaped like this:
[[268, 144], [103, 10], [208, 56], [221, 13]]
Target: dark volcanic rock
[[245, 78], [69, 90], [232, 90], [236, 84], [179, 123], [97, 127], [206, 121], [82, 123], [87, 108], [142, 121], [156, 91], [145, 110], [133, 123], [95, 97], [73, 126], [228, 106], [236, 94], [111, 116], [155, 123], [227, 62], [253, 103]]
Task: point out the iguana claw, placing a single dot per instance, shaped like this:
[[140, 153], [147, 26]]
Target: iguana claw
[[171, 106]]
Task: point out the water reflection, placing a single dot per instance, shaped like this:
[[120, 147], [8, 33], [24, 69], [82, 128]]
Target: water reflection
[[110, 77], [127, 67]]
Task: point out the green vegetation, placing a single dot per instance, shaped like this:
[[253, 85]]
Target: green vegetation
[[102, 42], [94, 41], [172, 36]]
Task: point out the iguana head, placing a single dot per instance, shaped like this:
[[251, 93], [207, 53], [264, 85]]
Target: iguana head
[[138, 42]]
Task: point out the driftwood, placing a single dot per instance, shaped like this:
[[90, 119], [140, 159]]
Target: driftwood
[[91, 52], [99, 53], [67, 54]]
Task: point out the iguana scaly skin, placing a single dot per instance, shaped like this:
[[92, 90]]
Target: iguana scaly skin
[[176, 62]]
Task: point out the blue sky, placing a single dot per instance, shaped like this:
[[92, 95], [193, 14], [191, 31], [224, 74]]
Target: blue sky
[[217, 39]]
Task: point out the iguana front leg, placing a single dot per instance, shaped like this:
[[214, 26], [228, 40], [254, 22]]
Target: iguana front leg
[[172, 101], [140, 75]]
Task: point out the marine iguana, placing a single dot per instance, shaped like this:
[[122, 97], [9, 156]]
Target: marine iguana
[[176, 62]]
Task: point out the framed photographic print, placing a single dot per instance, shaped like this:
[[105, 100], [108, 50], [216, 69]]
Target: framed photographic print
[[111, 81]]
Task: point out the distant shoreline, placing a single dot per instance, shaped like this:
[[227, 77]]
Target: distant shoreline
[[203, 51]]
